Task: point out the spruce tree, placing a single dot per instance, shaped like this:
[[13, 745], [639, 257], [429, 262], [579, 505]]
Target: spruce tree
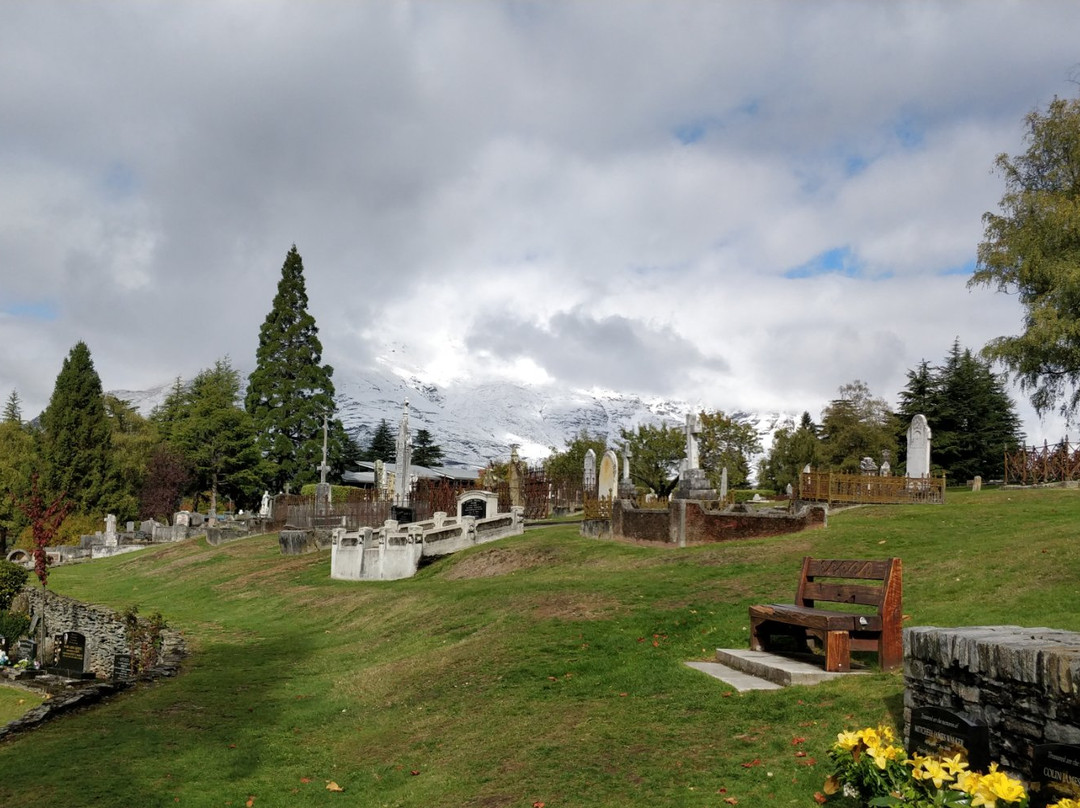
[[383, 444], [12, 409], [426, 452], [76, 440], [290, 389]]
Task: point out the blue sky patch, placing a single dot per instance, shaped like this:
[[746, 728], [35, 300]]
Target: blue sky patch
[[39, 310], [838, 260], [120, 181], [960, 269]]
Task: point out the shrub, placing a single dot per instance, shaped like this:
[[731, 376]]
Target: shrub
[[13, 626], [12, 580]]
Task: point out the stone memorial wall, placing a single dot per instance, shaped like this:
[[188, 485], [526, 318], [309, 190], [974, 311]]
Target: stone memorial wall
[[1022, 684]]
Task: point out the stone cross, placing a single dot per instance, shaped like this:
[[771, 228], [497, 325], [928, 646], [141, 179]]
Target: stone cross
[[626, 464], [693, 429], [323, 467]]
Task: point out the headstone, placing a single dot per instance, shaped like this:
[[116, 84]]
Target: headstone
[[475, 507], [976, 484], [121, 666], [937, 731], [264, 507], [885, 470], [72, 657], [607, 484], [27, 648], [404, 459], [918, 448], [323, 491], [693, 429], [588, 479], [723, 483], [806, 469], [110, 530], [182, 519], [130, 527], [1056, 774], [868, 467], [790, 490], [514, 478]]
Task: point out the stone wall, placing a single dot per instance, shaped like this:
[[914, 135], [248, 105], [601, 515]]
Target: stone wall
[[1022, 683], [102, 627], [690, 522]]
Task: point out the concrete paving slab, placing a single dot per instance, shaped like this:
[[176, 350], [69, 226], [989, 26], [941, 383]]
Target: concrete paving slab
[[782, 670], [740, 681]]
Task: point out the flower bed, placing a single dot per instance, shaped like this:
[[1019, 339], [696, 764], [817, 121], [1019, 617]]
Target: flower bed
[[870, 769]]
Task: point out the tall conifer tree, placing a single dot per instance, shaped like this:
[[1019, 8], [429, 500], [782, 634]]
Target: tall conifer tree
[[290, 389], [77, 446]]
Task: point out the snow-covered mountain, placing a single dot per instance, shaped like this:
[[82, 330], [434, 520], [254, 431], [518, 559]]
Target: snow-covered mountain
[[477, 422]]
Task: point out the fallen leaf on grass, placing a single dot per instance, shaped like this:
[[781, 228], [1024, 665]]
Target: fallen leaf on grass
[[305, 779], [800, 753], [731, 801], [797, 741], [332, 786], [538, 804], [751, 764], [819, 798], [808, 762], [250, 802], [414, 772]]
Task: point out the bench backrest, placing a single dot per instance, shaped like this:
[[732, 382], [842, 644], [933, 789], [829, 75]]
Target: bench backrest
[[847, 581]]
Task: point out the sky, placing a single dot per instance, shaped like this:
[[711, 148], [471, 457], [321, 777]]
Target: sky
[[743, 205]]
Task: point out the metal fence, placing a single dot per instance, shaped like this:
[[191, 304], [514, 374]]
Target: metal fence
[[832, 487], [1050, 464]]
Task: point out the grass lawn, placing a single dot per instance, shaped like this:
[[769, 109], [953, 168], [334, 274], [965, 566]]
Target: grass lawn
[[544, 668], [15, 701]]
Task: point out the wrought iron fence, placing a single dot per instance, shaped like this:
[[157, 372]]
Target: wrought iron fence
[[832, 487], [1050, 464], [597, 508]]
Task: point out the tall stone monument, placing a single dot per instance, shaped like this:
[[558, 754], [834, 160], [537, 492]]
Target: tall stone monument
[[515, 474], [402, 482], [627, 489], [111, 538], [918, 448], [322, 490], [693, 482]]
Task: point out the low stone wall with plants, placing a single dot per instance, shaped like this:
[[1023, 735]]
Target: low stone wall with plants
[[1022, 683]]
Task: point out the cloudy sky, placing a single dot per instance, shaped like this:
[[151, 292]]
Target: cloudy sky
[[742, 204]]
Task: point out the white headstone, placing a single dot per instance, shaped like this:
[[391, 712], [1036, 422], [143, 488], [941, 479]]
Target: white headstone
[[110, 530], [918, 448], [885, 470], [264, 507], [608, 478], [626, 464], [723, 483], [868, 467], [790, 490], [588, 480]]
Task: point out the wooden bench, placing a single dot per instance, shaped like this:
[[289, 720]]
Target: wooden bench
[[839, 632]]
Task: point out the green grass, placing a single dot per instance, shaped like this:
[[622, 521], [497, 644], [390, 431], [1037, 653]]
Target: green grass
[[15, 701], [543, 668]]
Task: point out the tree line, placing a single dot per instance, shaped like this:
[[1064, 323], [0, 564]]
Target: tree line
[[209, 440]]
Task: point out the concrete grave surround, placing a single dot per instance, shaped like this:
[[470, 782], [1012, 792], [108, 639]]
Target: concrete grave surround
[[608, 479], [918, 448]]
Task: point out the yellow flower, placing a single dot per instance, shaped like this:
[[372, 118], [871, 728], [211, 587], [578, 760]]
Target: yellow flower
[[931, 769], [968, 782], [870, 737], [1066, 803], [998, 786], [955, 764], [883, 754], [848, 740]]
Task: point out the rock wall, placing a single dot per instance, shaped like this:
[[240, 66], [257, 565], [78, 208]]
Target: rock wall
[[690, 522], [1023, 683]]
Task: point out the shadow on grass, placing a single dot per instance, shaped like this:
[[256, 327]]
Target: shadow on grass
[[227, 718]]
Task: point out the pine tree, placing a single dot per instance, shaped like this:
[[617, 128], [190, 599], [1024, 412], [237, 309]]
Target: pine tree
[[290, 389], [12, 409], [425, 451], [218, 436], [383, 444], [77, 445]]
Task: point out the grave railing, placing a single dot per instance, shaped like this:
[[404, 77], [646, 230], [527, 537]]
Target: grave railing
[[1040, 466], [854, 489]]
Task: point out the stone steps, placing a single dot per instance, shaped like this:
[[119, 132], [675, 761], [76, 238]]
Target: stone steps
[[759, 670]]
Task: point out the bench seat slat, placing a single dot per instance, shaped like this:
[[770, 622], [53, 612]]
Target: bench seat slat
[[819, 619]]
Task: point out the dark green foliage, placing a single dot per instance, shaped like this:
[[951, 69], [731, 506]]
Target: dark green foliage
[[13, 626], [18, 456], [793, 448], [217, 436], [383, 444], [290, 389], [143, 636], [425, 452], [855, 426], [12, 409], [1032, 248], [568, 465], [726, 443], [343, 452], [12, 579], [972, 419], [655, 453], [77, 439]]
